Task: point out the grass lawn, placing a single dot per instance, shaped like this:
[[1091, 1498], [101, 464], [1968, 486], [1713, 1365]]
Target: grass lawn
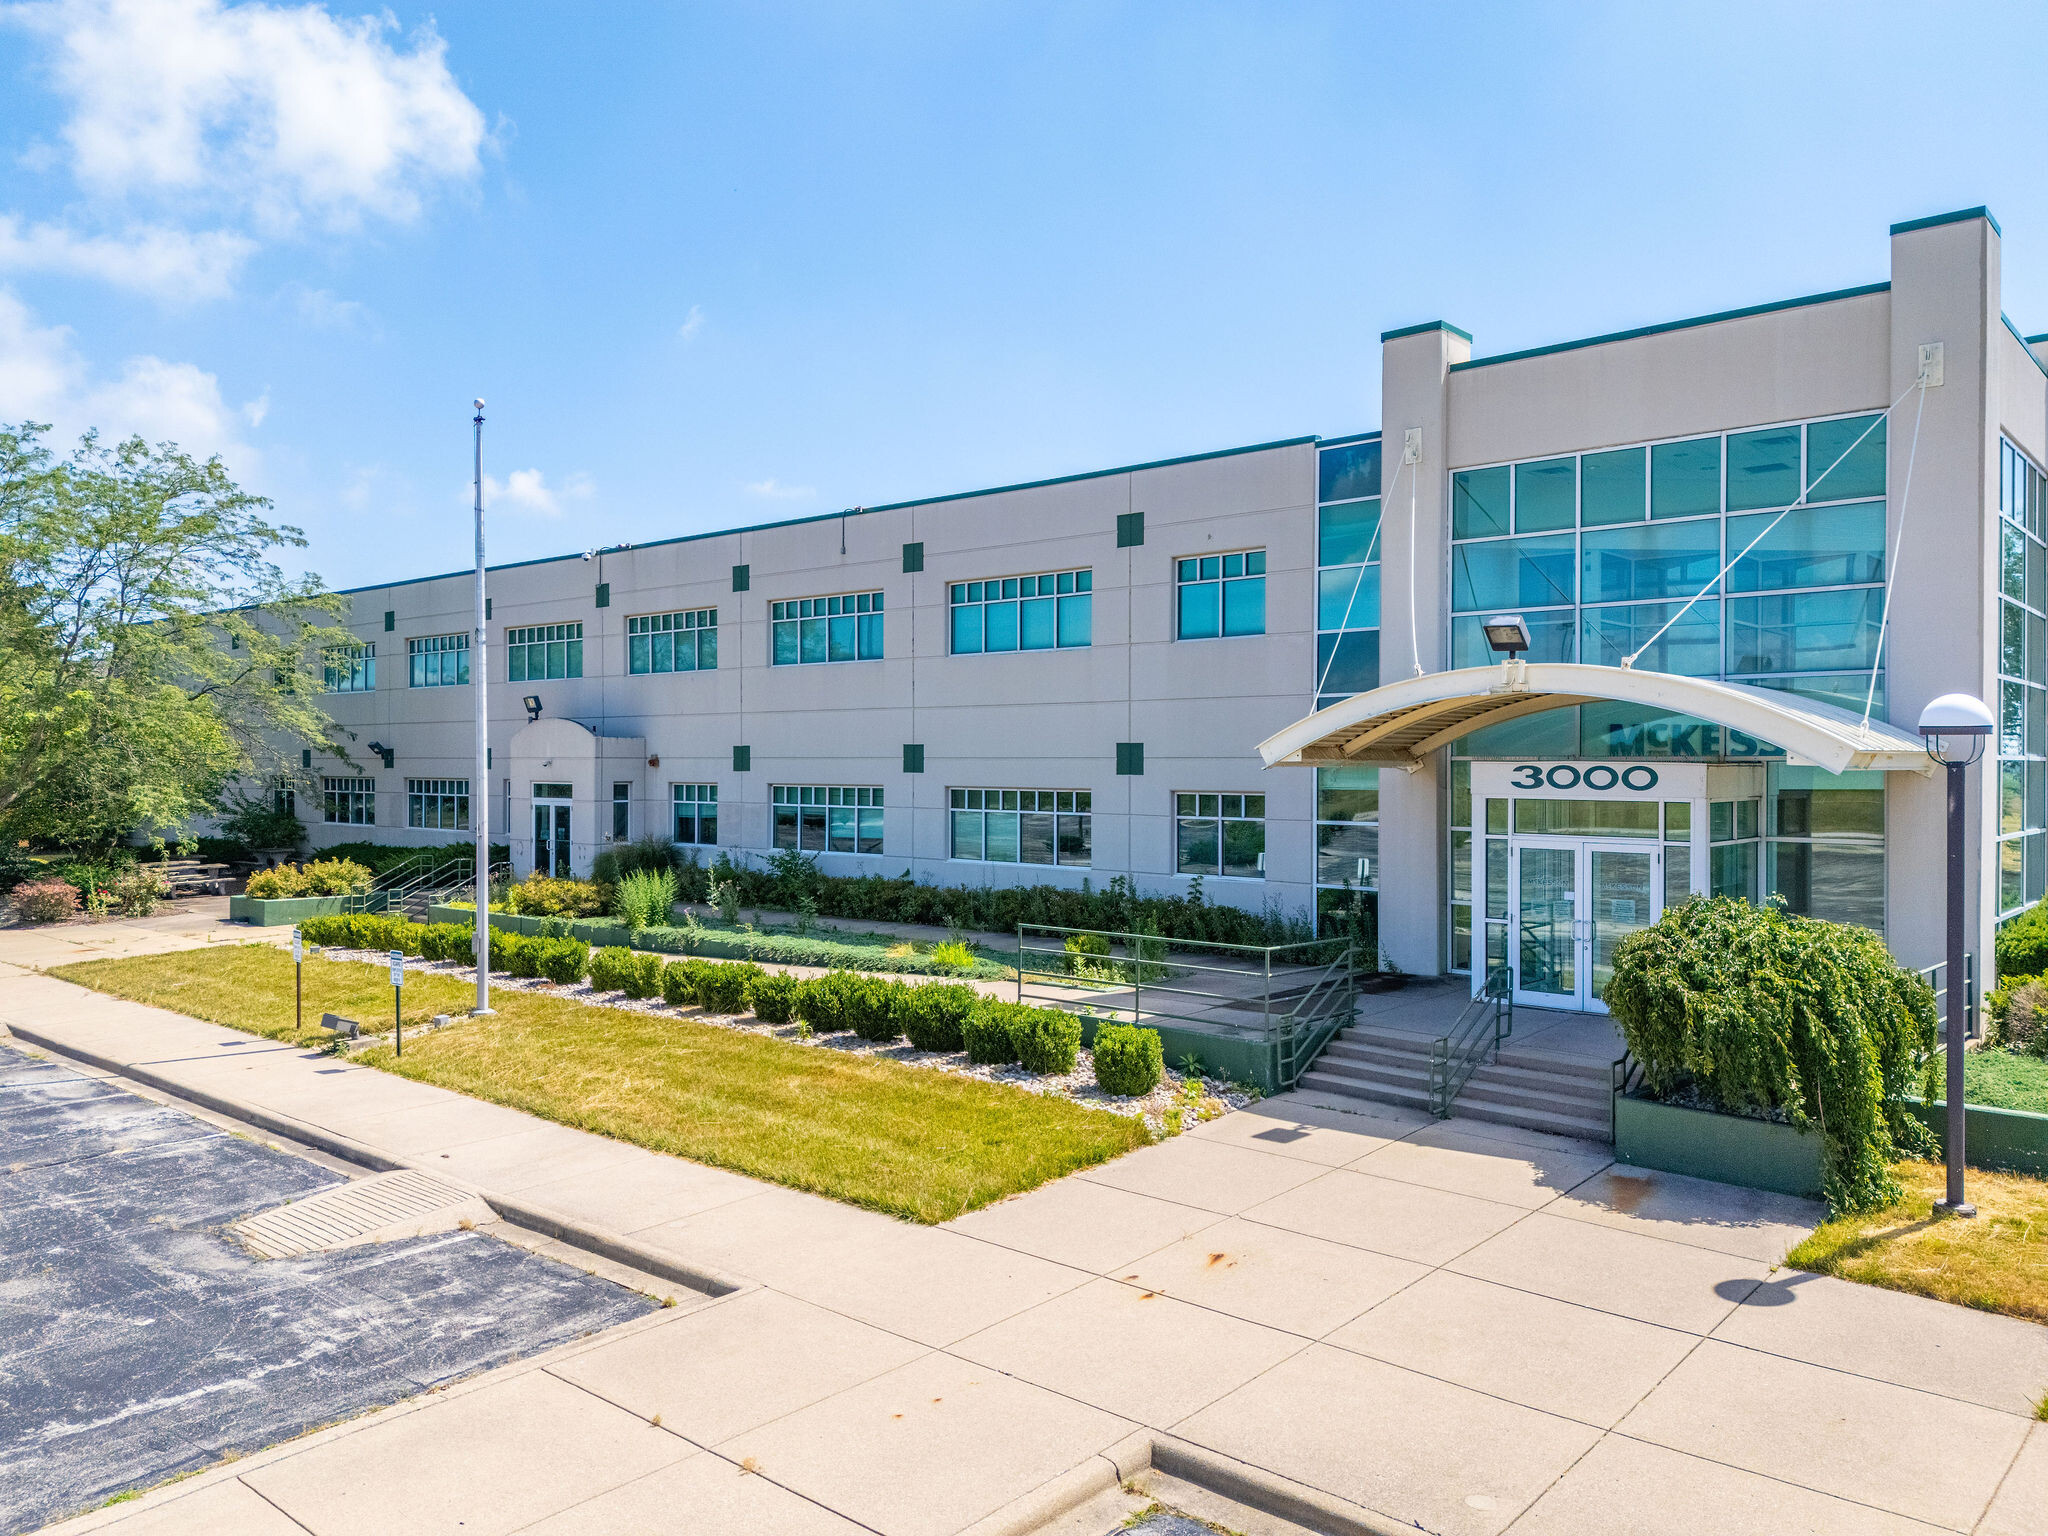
[[910, 1141], [2006, 1080], [1997, 1262]]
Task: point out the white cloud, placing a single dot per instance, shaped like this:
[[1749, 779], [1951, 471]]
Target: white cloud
[[280, 115], [253, 411], [775, 490], [528, 491], [327, 310], [693, 322], [173, 263], [44, 378]]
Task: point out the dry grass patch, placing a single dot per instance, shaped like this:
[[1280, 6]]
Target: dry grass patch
[[914, 1143], [1997, 1262]]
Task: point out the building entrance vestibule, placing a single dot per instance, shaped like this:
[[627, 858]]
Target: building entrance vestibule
[[551, 842], [1571, 901]]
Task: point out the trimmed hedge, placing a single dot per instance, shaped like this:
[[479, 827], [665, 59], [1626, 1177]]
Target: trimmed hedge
[[2022, 945], [723, 988], [1128, 1060], [1759, 1010], [608, 968], [933, 1015], [772, 995], [986, 1034], [847, 1000], [1047, 1039], [365, 930]]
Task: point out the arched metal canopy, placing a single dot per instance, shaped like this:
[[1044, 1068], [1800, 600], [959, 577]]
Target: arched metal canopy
[[1402, 723]]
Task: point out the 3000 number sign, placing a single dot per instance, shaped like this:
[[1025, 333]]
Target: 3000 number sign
[[1600, 776]]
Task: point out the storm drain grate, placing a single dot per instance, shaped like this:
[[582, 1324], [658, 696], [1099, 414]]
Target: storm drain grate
[[350, 1213]]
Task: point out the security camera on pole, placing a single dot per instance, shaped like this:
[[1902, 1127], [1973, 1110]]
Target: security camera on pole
[[1955, 727], [480, 790]]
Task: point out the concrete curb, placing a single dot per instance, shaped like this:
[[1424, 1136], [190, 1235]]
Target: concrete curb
[[567, 1229]]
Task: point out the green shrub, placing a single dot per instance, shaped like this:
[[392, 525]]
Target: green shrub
[[642, 974], [723, 988], [608, 968], [523, 960], [986, 1033], [952, 956], [642, 897], [45, 901], [2022, 945], [540, 895], [1763, 1011], [561, 960], [1047, 1039], [679, 983], [932, 1015], [319, 877], [772, 995], [2021, 1019], [447, 941], [875, 1012], [1128, 1060], [828, 1003], [1085, 952], [364, 930]]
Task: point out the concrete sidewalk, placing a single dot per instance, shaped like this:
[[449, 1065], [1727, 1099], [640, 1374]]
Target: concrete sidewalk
[[1467, 1327]]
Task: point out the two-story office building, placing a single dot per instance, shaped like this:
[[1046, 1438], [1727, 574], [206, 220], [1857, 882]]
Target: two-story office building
[[1748, 548]]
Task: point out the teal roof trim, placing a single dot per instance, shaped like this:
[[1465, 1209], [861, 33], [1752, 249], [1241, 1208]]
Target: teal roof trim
[[1676, 325], [826, 517], [2025, 344], [1340, 442], [1423, 329], [1960, 216]]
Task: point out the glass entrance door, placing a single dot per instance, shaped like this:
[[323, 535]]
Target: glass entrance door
[[1571, 902], [551, 838]]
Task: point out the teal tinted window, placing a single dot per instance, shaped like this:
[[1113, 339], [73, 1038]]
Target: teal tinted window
[[1201, 610], [1608, 729], [1553, 636], [1513, 573], [1808, 547], [1347, 535], [1844, 690], [1221, 595], [1763, 468], [1546, 495], [1076, 619], [1348, 597], [2012, 560], [1685, 478], [1855, 449], [1803, 632], [1649, 560], [1611, 487], [1349, 662], [1343, 474], [1690, 647], [1479, 503], [1244, 606]]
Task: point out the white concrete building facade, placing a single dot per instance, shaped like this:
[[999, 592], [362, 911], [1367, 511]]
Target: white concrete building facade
[[1071, 679]]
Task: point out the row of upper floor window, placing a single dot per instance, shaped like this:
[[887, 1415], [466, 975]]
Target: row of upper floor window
[[1216, 596]]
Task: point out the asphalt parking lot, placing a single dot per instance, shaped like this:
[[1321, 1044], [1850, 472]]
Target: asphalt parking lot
[[139, 1341]]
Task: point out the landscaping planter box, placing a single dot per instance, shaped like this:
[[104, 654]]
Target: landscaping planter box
[[263, 913], [1729, 1149], [2004, 1140]]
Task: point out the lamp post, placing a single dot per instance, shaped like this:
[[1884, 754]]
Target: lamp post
[[480, 796], [1955, 727]]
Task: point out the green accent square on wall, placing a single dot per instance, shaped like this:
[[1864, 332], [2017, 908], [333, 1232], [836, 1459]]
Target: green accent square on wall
[[390, 756], [1130, 758], [913, 757], [604, 594], [913, 558], [1130, 530], [742, 578], [390, 621], [742, 759]]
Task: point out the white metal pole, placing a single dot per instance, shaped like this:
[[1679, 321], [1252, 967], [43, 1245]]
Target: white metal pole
[[480, 791]]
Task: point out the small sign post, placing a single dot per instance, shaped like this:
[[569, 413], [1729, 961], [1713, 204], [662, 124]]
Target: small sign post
[[298, 981], [398, 996]]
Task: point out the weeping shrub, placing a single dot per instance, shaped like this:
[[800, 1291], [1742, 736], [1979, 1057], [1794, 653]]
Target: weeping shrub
[[1759, 1010]]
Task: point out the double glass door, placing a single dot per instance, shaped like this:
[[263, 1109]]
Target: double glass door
[[1570, 903], [551, 838]]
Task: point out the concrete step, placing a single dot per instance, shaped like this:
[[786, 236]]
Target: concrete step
[[1558, 1123], [1368, 1073], [1517, 1085], [1596, 1072], [1374, 1092], [1520, 1088], [1376, 1056]]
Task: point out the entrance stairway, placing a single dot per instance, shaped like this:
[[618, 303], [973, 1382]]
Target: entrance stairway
[[1535, 1090]]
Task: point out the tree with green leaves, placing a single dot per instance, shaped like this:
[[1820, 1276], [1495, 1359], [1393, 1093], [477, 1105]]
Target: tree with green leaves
[[154, 653]]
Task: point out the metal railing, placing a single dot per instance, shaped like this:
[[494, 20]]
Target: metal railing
[[420, 879], [1936, 976], [1476, 1036], [1288, 999]]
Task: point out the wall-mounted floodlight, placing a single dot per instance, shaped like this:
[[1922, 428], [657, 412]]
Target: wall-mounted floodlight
[[377, 747], [532, 703], [1507, 634]]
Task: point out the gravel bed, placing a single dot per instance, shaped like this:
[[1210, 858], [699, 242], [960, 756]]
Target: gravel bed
[[1180, 1099]]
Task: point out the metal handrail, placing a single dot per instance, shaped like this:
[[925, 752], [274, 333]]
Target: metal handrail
[[1328, 1006], [1456, 1054], [1936, 976]]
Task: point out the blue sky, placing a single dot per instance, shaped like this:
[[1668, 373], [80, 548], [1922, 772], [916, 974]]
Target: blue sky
[[717, 264]]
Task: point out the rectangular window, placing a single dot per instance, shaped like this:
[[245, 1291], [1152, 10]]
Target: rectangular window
[[1222, 595], [1348, 827], [696, 812], [1023, 826], [349, 802], [1221, 835], [537, 653], [437, 661], [672, 642], [810, 629], [437, 804], [1499, 575], [2023, 665], [622, 809], [350, 668], [1051, 611], [821, 818]]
